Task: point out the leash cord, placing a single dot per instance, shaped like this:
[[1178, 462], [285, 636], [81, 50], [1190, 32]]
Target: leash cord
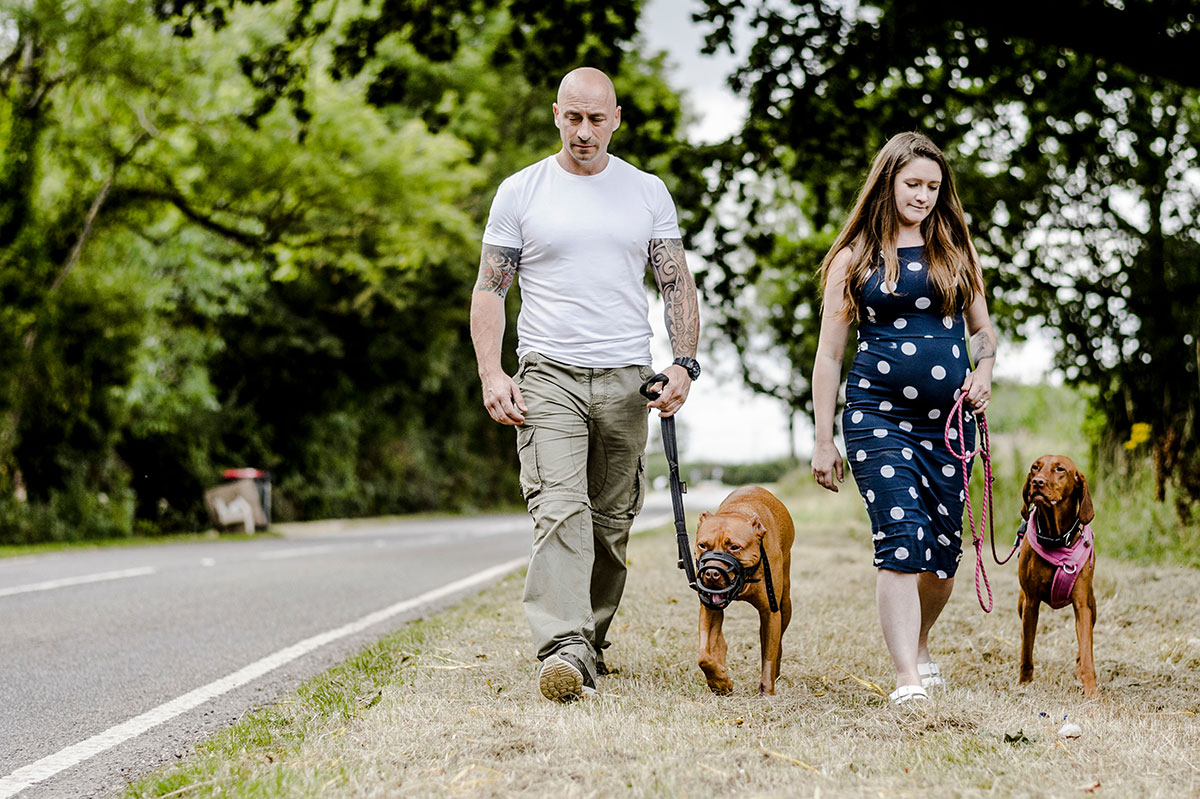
[[986, 512]]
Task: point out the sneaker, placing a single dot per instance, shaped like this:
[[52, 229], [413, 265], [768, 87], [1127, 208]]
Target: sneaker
[[931, 675], [564, 678]]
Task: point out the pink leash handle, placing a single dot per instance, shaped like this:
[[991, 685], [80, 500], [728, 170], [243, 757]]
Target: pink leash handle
[[986, 512]]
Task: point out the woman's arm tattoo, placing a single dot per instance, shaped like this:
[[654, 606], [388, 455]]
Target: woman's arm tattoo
[[982, 347], [497, 268], [679, 295]]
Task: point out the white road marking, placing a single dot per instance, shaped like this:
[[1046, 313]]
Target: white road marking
[[66, 582], [298, 552], [47, 767]]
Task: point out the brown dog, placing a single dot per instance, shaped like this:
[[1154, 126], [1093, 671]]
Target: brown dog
[[751, 526], [1056, 496]]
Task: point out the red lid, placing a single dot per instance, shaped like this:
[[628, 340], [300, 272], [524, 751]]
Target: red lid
[[245, 471]]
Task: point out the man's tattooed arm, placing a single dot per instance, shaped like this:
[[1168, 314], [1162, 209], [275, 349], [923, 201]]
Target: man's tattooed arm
[[497, 268], [678, 291]]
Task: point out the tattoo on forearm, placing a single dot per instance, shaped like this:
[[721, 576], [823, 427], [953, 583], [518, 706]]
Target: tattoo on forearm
[[679, 295], [982, 347], [497, 268]]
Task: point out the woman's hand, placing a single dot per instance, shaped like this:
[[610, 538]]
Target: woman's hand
[[827, 466], [978, 388]]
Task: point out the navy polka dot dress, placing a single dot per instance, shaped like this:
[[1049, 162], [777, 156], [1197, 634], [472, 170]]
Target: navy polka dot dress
[[905, 378]]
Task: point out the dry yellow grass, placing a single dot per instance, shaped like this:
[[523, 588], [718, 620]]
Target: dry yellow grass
[[463, 716]]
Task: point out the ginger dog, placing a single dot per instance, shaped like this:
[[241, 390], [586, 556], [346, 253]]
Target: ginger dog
[[1059, 505], [749, 524]]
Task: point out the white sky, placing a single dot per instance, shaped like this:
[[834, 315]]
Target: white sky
[[723, 420]]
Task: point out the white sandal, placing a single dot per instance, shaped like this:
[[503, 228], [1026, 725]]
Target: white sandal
[[907, 693], [931, 675]]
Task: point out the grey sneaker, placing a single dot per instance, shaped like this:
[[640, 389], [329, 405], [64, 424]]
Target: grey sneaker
[[564, 678]]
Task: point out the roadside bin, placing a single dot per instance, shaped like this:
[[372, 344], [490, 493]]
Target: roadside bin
[[242, 500]]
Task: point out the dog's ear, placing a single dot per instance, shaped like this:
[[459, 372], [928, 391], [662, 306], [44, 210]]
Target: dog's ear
[[1025, 495], [757, 524], [1086, 511]]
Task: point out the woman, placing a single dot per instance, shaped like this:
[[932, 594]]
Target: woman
[[904, 270]]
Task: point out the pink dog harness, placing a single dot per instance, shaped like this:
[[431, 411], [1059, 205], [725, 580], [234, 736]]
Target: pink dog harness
[[1066, 561]]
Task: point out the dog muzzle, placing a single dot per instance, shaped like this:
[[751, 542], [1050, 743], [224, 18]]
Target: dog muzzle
[[719, 568]]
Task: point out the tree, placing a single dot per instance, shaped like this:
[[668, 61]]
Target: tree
[[1072, 145]]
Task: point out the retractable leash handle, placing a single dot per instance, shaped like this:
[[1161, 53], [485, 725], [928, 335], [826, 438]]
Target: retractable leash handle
[[678, 487]]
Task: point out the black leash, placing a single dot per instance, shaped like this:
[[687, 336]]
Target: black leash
[[678, 487]]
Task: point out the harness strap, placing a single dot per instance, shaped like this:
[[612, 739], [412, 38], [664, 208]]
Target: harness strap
[[1067, 562]]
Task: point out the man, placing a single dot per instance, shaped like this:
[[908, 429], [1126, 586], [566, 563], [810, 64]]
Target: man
[[579, 227]]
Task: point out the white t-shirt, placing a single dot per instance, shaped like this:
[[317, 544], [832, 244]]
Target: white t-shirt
[[584, 244]]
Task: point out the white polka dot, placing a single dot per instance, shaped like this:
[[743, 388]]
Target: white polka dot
[[962, 495], [935, 413], [878, 536], [888, 287], [947, 322], [879, 432], [878, 562], [861, 455], [885, 406], [910, 392], [884, 367], [927, 445], [942, 510], [943, 540], [938, 372], [897, 513], [901, 553], [887, 471], [914, 266], [948, 470], [941, 574], [871, 312], [957, 394], [908, 348], [923, 303], [870, 495], [928, 554], [952, 434], [912, 492], [906, 427], [900, 324], [925, 481], [955, 350], [862, 347], [906, 453], [864, 383], [920, 533], [856, 417]]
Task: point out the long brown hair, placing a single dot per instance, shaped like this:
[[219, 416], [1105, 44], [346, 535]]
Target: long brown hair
[[875, 224]]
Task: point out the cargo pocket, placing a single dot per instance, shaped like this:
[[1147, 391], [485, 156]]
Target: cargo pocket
[[639, 486], [531, 476]]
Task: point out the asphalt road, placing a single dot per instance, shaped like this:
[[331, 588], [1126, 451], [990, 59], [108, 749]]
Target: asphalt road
[[116, 661]]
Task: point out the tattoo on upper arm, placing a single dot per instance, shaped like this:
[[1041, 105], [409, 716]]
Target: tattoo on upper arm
[[497, 268], [678, 293], [982, 347]]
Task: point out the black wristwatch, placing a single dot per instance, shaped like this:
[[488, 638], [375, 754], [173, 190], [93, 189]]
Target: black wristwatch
[[689, 365]]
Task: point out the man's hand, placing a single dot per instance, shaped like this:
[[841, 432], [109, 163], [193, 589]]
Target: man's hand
[[674, 393], [503, 399]]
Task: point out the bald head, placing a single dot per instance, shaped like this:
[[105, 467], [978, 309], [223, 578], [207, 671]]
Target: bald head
[[586, 115], [588, 81]]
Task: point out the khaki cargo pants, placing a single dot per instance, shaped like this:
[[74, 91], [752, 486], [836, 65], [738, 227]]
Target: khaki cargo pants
[[583, 475]]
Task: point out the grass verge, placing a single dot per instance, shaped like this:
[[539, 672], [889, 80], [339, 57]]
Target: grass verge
[[449, 706]]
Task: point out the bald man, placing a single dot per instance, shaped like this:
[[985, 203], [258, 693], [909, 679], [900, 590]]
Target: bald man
[[579, 229]]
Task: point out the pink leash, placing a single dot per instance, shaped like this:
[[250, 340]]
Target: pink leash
[[985, 513]]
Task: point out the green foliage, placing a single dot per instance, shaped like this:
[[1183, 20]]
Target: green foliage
[[1070, 151], [248, 236]]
